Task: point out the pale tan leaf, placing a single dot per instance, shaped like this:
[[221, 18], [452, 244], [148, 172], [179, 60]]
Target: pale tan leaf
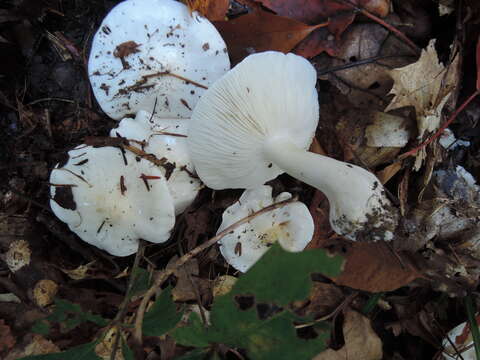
[[361, 341], [425, 85]]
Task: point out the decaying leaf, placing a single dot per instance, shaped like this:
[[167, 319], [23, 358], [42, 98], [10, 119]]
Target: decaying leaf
[[7, 341], [339, 14], [374, 267], [32, 345], [425, 85], [260, 31], [223, 284], [80, 272], [213, 10], [361, 341], [44, 292], [104, 348]]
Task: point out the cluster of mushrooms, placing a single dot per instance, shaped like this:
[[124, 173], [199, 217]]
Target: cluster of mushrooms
[[197, 122]]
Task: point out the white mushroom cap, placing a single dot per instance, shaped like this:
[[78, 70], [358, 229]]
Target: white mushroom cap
[[154, 133], [258, 120], [137, 42], [291, 225], [461, 337], [106, 202]]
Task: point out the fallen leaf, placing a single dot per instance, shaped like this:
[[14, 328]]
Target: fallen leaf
[[81, 272], [7, 341], [374, 267], [324, 298], [390, 171], [361, 341], [339, 15], [261, 30], [44, 292], [425, 85], [32, 345], [213, 10]]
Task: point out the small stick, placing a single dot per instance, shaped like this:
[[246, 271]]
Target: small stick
[[391, 28], [442, 128], [165, 274]]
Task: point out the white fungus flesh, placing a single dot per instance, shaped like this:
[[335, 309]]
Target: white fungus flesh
[[154, 55], [291, 226], [257, 121], [165, 139], [111, 199], [459, 343]]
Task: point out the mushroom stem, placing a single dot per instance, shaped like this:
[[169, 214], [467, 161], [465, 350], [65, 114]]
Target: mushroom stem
[[357, 198]]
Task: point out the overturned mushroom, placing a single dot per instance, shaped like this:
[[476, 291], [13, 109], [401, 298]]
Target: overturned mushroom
[[257, 122], [154, 55], [291, 226], [111, 199], [166, 140]]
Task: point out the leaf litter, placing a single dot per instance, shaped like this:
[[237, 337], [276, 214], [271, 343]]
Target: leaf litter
[[421, 277]]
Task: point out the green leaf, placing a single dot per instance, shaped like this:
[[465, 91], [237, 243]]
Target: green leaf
[[197, 354], [126, 351], [195, 334], [163, 315], [253, 315], [69, 315], [81, 352], [41, 327], [141, 283]]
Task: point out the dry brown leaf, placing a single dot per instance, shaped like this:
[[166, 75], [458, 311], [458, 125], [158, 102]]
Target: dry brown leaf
[[189, 286], [44, 292], [374, 267], [425, 85], [7, 341], [361, 341], [104, 347], [80, 272], [32, 345], [390, 171], [261, 31], [213, 10]]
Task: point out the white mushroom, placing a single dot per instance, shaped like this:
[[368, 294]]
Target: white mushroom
[[257, 121], [291, 226], [166, 139], [154, 54], [111, 199], [462, 348]]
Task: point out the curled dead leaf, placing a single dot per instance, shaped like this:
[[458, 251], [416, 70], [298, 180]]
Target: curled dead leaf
[[361, 341], [261, 31], [375, 267]]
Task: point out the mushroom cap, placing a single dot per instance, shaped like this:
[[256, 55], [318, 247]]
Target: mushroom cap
[[268, 94], [153, 133], [291, 225], [141, 39], [106, 202], [461, 337]]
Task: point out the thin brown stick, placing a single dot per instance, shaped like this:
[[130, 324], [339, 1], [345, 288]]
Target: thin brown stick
[[442, 128], [165, 274], [126, 300], [386, 25]]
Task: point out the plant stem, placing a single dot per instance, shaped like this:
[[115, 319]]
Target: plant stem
[[473, 324]]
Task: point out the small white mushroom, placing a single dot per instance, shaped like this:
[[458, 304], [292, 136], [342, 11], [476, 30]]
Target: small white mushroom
[[154, 54], [165, 138], [258, 121], [291, 226], [461, 337], [111, 199]]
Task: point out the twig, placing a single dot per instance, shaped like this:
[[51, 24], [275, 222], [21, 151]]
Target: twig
[[442, 128], [124, 305], [391, 28], [165, 274]]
